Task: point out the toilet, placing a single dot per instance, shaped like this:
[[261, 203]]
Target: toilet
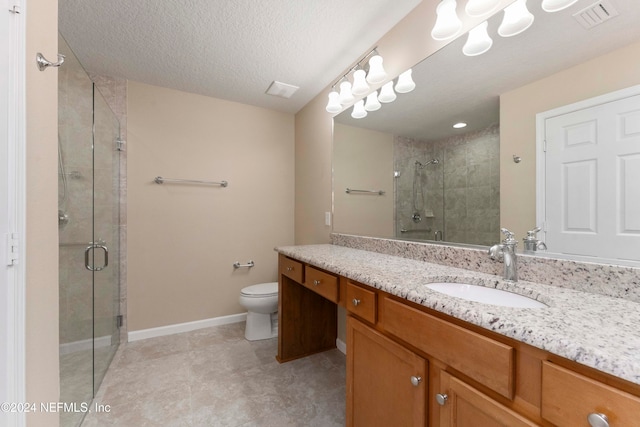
[[261, 302]]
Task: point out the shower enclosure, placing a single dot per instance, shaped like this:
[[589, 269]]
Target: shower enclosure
[[88, 215], [449, 189]]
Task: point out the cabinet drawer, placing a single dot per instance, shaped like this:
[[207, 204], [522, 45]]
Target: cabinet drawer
[[322, 283], [489, 362], [361, 302], [568, 398], [292, 269]]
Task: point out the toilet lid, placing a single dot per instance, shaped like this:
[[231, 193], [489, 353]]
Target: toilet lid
[[261, 290]]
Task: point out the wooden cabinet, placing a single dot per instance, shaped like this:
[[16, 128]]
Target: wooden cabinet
[[464, 406], [400, 356], [322, 283], [307, 321], [483, 359], [361, 302], [386, 383], [568, 399]]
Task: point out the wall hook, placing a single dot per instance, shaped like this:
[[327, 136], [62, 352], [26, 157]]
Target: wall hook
[[43, 62], [517, 159]]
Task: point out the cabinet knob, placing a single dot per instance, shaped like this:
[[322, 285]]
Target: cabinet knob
[[598, 420], [316, 282], [441, 399], [356, 302], [416, 380], [289, 268]]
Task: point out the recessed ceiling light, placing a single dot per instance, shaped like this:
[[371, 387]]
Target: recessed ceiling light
[[459, 125], [282, 90]]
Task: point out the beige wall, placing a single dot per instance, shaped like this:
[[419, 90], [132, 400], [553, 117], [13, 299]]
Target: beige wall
[[518, 108], [363, 159], [184, 239], [405, 45], [42, 380]]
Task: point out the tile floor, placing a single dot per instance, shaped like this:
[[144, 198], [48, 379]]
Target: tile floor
[[214, 377]]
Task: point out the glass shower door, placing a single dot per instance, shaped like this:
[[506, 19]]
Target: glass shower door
[[89, 231], [106, 230]]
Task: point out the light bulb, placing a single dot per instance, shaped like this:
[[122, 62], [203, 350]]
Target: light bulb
[[478, 42], [372, 103], [448, 24], [405, 82], [556, 5], [517, 18], [360, 86], [386, 93], [333, 106], [346, 97], [358, 110], [481, 7], [376, 70]]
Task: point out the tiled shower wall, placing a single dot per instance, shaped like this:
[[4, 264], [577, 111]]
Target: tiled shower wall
[[114, 91], [461, 193]]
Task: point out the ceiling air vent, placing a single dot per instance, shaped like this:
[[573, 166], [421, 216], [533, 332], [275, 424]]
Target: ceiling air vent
[[596, 14]]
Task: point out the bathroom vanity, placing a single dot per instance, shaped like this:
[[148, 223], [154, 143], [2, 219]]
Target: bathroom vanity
[[417, 357]]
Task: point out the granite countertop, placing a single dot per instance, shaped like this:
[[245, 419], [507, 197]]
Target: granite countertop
[[595, 330]]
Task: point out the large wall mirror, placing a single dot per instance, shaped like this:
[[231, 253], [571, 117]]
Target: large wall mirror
[[426, 180]]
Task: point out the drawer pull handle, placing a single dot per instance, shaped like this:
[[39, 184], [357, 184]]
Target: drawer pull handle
[[598, 420], [356, 302], [441, 399], [416, 380], [289, 268], [317, 282]]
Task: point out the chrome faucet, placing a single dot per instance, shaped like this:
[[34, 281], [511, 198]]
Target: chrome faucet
[[506, 252], [531, 242]]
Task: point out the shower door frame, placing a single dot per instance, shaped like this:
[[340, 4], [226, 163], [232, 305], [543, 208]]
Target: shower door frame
[[13, 194]]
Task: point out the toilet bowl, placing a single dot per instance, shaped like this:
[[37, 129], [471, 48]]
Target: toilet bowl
[[261, 302]]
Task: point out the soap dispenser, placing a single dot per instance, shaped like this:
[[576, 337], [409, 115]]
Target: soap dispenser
[[531, 242]]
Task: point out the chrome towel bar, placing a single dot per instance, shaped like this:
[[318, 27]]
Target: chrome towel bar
[[247, 265], [351, 190], [416, 230], [161, 180]]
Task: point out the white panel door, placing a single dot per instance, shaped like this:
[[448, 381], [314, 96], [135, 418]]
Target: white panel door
[[592, 183]]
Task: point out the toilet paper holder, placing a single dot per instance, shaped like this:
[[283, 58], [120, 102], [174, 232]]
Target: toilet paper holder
[[247, 265]]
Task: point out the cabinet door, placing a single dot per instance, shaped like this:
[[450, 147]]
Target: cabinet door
[[386, 383], [464, 406]]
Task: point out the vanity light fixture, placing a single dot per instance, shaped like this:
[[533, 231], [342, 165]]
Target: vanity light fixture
[[372, 103], [333, 106], [376, 70], [360, 86], [481, 7], [517, 19], [346, 97], [460, 125], [386, 93], [405, 82], [447, 25], [478, 41], [556, 5], [347, 93], [358, 110]]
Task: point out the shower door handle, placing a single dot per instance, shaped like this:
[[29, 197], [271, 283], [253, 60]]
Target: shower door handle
[[86, 257]]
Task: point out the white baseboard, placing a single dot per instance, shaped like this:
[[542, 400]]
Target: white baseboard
[[341, 345], [185, 327]]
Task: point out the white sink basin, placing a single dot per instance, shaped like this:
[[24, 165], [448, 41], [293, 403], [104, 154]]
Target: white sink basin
[[485, 295]]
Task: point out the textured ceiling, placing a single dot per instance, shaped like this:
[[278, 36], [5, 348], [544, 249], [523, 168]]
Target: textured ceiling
[[228, 49]]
